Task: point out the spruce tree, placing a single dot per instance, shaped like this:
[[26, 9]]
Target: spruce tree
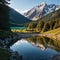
[[4, 15]]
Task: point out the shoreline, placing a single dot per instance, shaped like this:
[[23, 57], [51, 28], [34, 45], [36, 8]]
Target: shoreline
[[18, 36], [6, 42], [50, 36]]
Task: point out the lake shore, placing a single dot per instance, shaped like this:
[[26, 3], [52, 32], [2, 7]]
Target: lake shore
[[17, 36], [5, 45], [24, 35], [50, 36]]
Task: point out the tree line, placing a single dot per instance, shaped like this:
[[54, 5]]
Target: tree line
[[4, 15], [49, 22], [44, 25]]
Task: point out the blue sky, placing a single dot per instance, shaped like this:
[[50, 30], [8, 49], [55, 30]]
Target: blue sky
[[24, 5]]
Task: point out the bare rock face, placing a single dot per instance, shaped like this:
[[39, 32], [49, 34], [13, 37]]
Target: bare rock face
[[41, 10]]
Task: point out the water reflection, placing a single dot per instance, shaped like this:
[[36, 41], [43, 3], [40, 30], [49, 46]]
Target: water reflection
[[37, 48], [44, 42]]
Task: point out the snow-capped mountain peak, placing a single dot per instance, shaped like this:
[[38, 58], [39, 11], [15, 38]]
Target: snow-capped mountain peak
[[43, 4], [41, 10]]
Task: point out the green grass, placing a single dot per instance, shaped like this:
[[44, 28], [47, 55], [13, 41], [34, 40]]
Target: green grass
[[4, 55], [55, 32]]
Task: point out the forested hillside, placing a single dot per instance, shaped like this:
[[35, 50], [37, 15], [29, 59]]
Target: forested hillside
[[16, 19], [46, 23]]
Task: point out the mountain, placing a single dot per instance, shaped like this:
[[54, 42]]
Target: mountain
[[41, 10], [49, 22], [17, 18]]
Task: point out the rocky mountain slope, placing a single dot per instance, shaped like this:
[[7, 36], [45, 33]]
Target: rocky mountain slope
[[49, 22], [41, 10]]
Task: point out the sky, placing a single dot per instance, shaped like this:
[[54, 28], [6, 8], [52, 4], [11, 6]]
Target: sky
[[24, 5]]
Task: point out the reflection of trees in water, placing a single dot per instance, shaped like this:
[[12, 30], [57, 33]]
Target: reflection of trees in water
[[46, 42]]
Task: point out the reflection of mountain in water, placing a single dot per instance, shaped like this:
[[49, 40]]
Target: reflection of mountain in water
[[43, 43], [37, 48], [41, 46]]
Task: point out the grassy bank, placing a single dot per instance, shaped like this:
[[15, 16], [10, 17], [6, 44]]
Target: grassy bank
[[53, 33]]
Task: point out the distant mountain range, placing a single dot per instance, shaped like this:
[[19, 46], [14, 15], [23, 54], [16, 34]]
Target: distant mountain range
[[17, 18], [41, 10]]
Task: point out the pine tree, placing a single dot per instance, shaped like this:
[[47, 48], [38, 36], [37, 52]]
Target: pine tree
[[4, 2], [4, 15]]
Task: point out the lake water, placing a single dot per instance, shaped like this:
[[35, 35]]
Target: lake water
[[18, 28], [36, 48]]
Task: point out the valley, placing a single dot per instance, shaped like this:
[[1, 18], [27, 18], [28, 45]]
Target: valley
[[35, 35]]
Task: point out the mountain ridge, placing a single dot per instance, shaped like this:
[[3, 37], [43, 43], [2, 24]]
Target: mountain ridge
[[49, 22], [41, 10], [17, 18]]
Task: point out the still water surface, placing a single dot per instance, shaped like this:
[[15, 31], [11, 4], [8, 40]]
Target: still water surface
[[36, 48], [18, 28]]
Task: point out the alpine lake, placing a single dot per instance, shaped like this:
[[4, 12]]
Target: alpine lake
[[36, 48]]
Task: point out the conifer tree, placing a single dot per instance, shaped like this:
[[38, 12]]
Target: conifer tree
[[4, 15]]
